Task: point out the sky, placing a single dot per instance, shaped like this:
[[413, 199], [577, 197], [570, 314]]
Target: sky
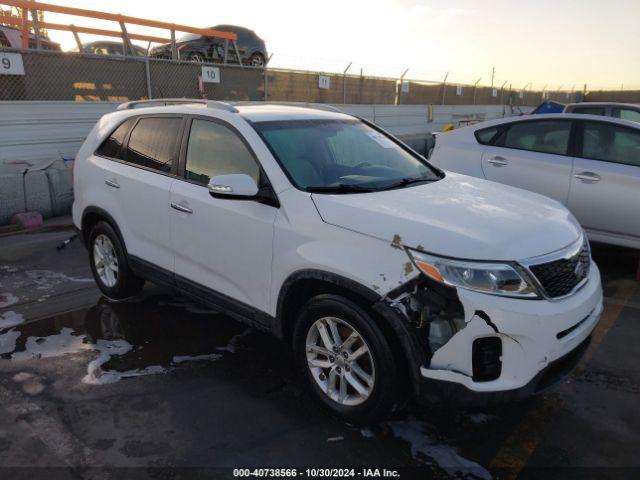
[[560, 44]]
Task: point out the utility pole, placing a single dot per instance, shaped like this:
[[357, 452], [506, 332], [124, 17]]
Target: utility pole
[[493, 75]]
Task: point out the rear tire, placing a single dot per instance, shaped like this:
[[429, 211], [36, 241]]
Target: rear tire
[[356, 377], [256, 60], [109, 265]]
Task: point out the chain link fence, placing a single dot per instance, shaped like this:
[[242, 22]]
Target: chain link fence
[[51, 75]]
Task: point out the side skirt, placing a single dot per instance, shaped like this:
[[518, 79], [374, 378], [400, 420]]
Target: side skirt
[[218, 301]]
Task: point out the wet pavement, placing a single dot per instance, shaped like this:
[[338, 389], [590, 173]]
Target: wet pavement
[[170, 389]]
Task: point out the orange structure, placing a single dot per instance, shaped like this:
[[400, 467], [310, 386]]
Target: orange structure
[[33, 6]]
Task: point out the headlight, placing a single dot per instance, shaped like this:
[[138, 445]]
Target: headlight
[[494, 278]]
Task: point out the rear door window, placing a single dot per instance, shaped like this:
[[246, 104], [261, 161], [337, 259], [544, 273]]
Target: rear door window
[[544, 136], [611, 143], [626, 114], [153, 143], [112, 146]]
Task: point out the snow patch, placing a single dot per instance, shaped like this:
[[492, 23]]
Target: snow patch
[[10, 319], [480, 418], [63, 343], [196, 358], [8, 341], [233, 342], [444, 456], [7, 299], [47, 279]]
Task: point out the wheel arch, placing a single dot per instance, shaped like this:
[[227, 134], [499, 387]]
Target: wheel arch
[[302, 285], [90, 217]]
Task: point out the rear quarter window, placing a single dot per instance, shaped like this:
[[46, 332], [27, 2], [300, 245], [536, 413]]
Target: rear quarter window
[[112, 146], [589, 110], [153, 143]]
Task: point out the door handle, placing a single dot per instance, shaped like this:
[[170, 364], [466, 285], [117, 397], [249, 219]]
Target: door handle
[[588, 177], [112, 183], [181, 208], [498, 161]]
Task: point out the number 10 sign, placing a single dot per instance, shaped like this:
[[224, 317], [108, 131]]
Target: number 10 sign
[[210, 74], [11, 64]]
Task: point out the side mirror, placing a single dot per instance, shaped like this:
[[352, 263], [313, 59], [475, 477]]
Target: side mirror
[[233, 185]]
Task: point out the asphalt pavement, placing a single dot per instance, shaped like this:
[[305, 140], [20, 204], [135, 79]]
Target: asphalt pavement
[[162, 387]]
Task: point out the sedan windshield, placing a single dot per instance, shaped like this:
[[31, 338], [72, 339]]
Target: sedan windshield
[[342, 156]]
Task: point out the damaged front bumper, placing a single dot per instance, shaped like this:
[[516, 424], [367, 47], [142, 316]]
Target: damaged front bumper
[[500, 348]]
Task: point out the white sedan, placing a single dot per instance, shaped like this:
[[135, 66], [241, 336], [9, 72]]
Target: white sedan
[[589, 163]]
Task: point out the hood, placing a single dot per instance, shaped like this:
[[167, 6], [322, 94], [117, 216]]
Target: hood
[[458, 216]]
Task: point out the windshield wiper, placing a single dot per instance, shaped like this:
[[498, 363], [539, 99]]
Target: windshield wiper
[[408, 181], [340, 188]]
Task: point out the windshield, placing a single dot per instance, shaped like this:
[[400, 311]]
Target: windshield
[[342, 156]]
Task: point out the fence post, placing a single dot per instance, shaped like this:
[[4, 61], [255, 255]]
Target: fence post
[[344, 84], [174, 50], [399, 87], [502, 92], [148, 74], [475, 85], [444, 87], [266, 78]]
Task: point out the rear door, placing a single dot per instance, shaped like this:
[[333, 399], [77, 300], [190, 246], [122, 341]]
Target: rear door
[[533, 155], [138, 187], [605, 186]]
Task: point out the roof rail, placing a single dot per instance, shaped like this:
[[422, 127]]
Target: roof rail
[[177, 101], [317, 106]]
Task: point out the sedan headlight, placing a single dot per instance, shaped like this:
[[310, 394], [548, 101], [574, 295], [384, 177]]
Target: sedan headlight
[[493, 278]]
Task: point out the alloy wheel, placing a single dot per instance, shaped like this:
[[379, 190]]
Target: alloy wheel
[[256, 61], [105, 260], [340, 361]]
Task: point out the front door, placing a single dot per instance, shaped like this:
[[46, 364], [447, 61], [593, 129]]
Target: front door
[[222, 244], [532, 155]]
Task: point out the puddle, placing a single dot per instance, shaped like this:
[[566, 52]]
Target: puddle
[[149, 336]]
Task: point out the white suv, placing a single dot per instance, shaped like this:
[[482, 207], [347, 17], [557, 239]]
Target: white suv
[[388, 277]]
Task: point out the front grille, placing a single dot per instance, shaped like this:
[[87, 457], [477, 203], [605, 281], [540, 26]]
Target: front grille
[[560, 277]]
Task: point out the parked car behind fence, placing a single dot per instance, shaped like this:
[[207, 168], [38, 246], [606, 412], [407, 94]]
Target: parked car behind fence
[[198, 48], [12, 38]]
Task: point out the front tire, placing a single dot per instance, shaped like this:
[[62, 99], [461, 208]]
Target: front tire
[[345, 359], [109, 264], [196, 58]]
